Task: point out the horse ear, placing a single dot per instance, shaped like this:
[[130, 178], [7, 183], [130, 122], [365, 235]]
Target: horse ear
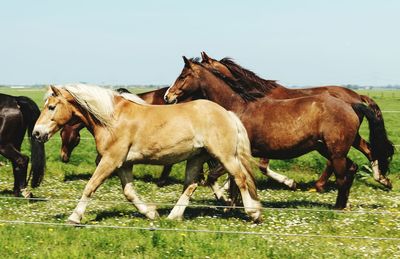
[[205, 57], [187, 62], [55, 90]]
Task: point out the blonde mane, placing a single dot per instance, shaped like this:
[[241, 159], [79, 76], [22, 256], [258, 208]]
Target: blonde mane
[[98, 101], [133, 98]]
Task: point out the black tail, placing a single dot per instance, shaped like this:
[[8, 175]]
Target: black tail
[[382, 147], [373, 105], [31, 113]]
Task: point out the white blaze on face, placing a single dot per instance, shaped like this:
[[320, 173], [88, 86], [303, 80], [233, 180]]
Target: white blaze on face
[[166, 93]]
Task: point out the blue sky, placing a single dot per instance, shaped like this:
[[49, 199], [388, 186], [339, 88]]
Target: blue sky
[[303, 42]]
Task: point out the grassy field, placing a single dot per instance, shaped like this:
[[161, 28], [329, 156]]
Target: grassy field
[[297, 224]]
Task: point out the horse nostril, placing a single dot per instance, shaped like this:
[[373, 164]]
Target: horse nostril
[[166, 99], [36, 134]]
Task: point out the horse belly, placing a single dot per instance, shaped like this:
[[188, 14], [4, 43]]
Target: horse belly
[[284, 145], [163, 155]]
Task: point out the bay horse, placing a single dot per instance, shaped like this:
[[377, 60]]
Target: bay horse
[[128, 131], [284, 129], [272, 89], [70, 138], [18, 115]]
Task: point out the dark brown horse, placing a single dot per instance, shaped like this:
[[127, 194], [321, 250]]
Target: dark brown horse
[[283, 129], [17, 115], [270, 88]]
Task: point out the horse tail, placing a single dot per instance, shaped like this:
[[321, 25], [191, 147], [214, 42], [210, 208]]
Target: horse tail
[[243, 154], [382, 148], [30, 112], [373, 106]]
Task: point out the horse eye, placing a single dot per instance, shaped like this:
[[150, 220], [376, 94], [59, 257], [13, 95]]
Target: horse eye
[[52, 107]]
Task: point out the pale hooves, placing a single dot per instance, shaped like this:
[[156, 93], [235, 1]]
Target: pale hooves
[[152, 213], [175, 217], [256, 216], [291, 184], [74, 219], [26, 194], [386, 182]]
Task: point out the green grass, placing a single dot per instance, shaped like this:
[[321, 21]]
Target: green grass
[[302, 212]]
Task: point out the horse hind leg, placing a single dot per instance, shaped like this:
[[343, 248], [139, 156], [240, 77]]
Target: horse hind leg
[[363, 146], [246, 185], [126, 177], [20, 165], [345, 170], [267, 171]]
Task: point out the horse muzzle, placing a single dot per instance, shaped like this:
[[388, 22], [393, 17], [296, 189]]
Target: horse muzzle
[[170, 100], [40, 134]]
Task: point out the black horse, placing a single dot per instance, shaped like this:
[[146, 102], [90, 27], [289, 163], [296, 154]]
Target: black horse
[[18, 114]]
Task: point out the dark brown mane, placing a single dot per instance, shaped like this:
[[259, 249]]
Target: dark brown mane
[[236, 85], [249, 78]]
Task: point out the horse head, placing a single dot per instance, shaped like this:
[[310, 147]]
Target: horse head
[[187, 83], [56, 113]]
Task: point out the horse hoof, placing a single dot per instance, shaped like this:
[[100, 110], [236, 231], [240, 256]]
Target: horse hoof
[[176, 218], [293, 187], [339, 207], [72, 222], [258, 220], [256, 216], [26, 194], [152, 213], [320, 188], [387, 183], [291, 184], [74, 219], [161, 183]]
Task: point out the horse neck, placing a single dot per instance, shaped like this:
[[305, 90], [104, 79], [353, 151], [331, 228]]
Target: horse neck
[[218, 91], [86, 120]]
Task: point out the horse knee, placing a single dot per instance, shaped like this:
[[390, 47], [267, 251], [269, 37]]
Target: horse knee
[[351, 166]]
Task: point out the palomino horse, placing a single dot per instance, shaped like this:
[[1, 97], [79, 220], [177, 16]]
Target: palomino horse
[[17, 115], [70, 137], [129, 131], [270, 88], [288, 128]]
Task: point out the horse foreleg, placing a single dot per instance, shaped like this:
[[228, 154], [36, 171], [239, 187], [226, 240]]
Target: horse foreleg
[[251, 204], [104, 169], [126, 177], [267, 171], [194, 167], [344, 171]]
